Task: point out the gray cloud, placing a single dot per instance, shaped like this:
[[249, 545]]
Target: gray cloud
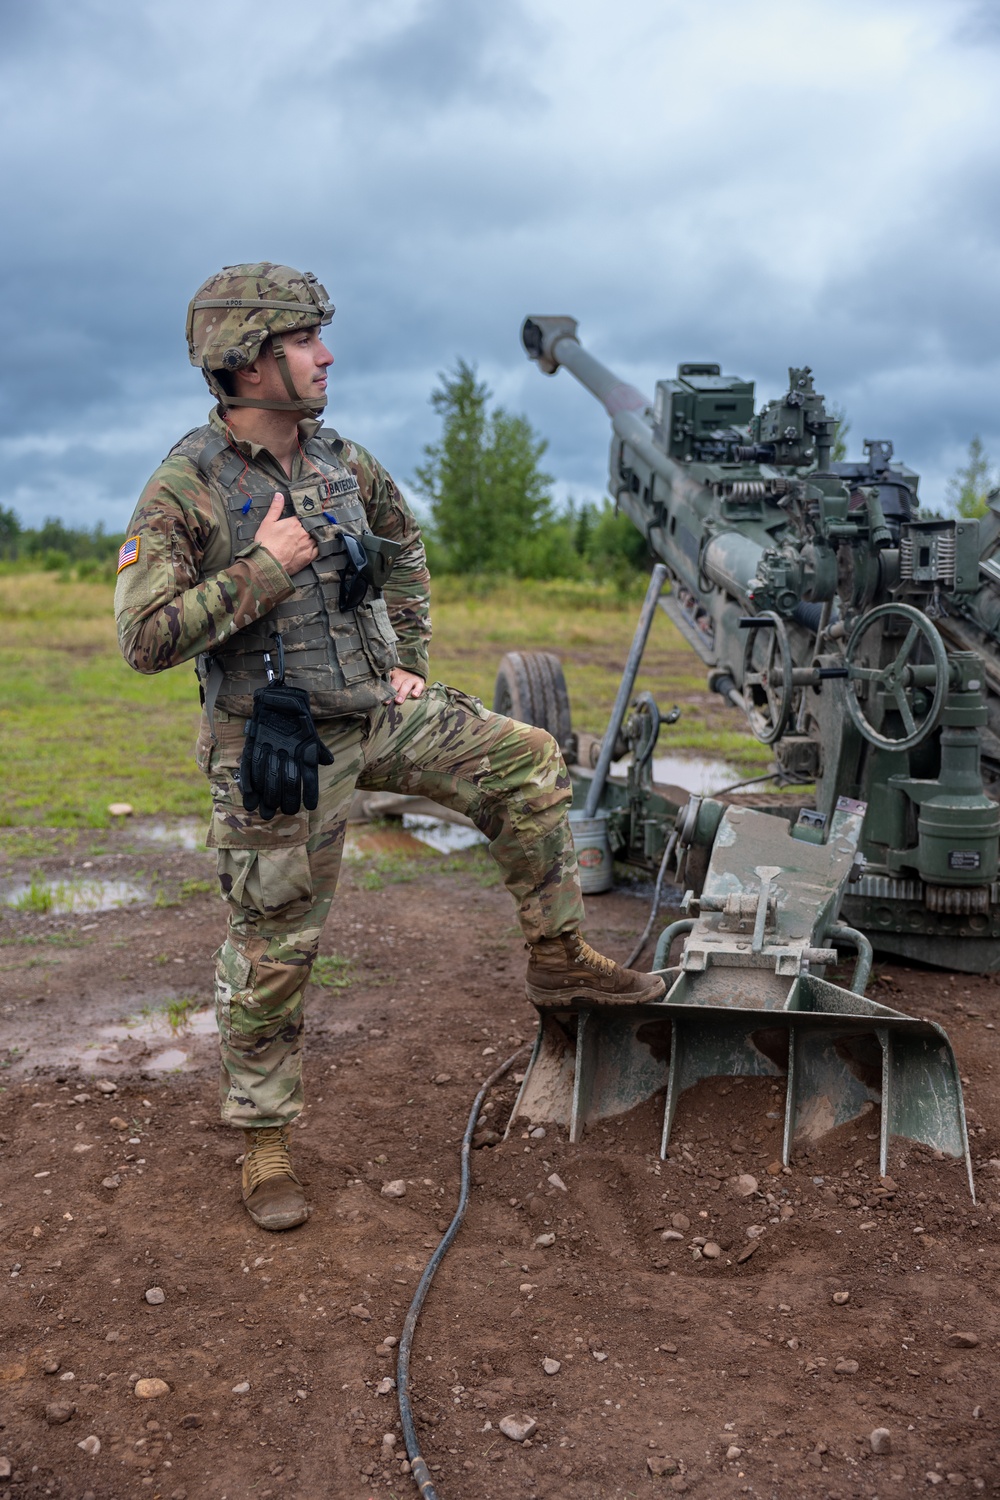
[[759, 185]]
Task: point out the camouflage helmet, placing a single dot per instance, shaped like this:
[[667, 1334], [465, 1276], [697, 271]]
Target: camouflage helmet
[[235, 312]]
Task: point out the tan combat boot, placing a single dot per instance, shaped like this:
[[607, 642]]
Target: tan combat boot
[[565, 968], [271, 1191]]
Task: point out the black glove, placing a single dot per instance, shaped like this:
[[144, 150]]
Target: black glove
[[281, 753]]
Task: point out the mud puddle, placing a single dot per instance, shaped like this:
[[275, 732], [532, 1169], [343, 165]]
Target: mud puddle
[[73, 895], [184, 833], [157, 1041], [702, 778], [446, 838]]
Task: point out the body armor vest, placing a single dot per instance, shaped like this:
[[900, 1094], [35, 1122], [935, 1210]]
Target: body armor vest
[[341, 658]]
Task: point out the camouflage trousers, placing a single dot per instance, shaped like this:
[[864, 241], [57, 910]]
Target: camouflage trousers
[[279, 877]]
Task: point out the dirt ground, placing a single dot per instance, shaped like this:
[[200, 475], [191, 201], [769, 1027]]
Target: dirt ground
[[739, 1375]]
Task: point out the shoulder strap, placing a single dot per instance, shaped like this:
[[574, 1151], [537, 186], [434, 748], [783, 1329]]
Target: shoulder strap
[[326, 441]]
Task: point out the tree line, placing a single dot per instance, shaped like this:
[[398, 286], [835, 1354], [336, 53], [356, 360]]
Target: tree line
[[489, 506], [56, 547]]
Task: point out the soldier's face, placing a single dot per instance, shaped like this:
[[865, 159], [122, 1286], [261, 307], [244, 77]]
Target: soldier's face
[[308, 361]]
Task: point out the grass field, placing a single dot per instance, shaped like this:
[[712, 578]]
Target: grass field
[[79, 729]]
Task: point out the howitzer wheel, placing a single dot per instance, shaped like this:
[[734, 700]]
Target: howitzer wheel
[[767, 676], [530, 686], [892, 683]]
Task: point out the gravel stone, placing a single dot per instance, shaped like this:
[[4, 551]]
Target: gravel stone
[[58, 1412], [396, 1189], [90, 1445], [661, 1466], [243, 1389], [554, 1180], [732, 1452], [49, 1366], [551, 1366], [5, 1468], [518, 1428], [711, 1251], [105, 1086], [155, 1296], [681, 1222], [745, 1184], [846, 1367], [360, 1311], [386, 1386], [114, 1181], [841, 1297], [671, 1234], [545, 1240], [962, 1340], [881, 1440], [148, 1389]]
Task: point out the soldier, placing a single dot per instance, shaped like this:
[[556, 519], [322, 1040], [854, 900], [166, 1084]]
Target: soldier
[[285, 562]]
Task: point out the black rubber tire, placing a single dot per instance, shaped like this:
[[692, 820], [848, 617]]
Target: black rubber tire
[[530, 686]]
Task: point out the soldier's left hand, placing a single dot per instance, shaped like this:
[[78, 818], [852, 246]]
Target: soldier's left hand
[[407, 684]]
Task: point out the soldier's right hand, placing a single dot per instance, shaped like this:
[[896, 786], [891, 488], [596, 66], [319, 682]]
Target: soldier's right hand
[[286, 538]]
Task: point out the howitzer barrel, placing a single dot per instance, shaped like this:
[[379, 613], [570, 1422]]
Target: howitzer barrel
[[729, 560], [552, 342]]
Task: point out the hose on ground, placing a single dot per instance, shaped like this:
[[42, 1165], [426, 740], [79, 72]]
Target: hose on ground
[[657, 893], [418, 1465]]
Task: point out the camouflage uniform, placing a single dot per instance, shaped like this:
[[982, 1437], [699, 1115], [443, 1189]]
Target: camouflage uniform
[[279, 876]]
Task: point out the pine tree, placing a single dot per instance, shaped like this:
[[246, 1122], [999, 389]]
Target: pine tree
[[969, 487], [489, 499], [839, 451]]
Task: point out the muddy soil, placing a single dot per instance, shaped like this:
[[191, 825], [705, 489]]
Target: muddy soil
[[734, 1375]]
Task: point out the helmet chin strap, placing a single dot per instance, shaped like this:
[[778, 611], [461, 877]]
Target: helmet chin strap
[[310, 406]]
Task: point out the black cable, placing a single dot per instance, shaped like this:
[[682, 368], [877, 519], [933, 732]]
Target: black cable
[[657, 892], [418, 1465], [778, 776]]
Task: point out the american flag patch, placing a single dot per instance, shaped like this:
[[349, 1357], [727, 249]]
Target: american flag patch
[[129, 553]]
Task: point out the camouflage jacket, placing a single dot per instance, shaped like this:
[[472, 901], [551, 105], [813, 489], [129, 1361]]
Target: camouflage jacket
[[169, 610]]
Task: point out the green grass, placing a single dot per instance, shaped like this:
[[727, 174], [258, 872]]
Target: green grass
[[476, 862], [80, 729], [391, 869], [331, 971], [180, 1011], [185, 891], [39, 897]]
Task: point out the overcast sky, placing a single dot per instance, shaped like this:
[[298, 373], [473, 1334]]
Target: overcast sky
[[760, 184]]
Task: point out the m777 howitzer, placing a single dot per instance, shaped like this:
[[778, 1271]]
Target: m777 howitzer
[[850, 634], [861, 642]]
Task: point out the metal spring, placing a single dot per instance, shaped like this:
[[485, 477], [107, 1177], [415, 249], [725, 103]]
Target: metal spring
[[753, 489], [944, 557]]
